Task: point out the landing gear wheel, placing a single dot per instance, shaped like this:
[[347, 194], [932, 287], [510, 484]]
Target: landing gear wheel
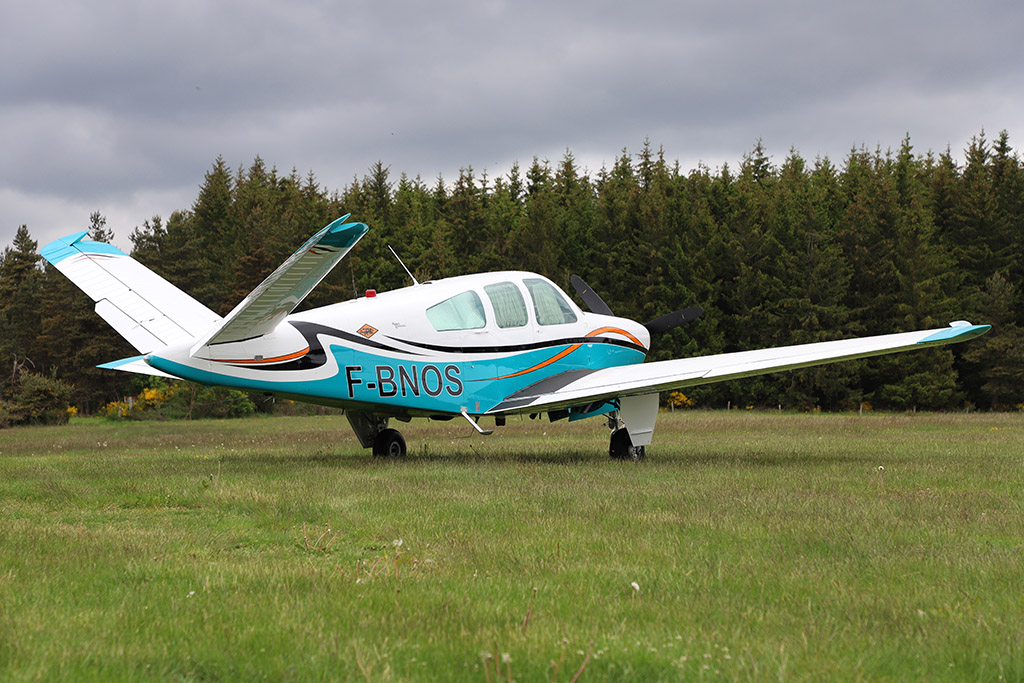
[[389, 443], [622, 448]]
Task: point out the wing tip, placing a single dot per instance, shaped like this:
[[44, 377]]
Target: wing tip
[[958, 331], [136, 364], [63, 247], [74, 244], [343, 235]]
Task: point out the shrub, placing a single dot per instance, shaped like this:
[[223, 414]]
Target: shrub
[[35, 399], [161, 399], [678, 399]]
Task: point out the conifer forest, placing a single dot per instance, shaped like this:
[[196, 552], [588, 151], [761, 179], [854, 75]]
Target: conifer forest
[[775, 252]]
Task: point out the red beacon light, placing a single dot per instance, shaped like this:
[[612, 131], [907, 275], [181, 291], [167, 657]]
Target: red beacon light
[[370, 293]]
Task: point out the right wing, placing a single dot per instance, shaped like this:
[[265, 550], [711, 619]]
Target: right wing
[[286, 287], [578, 387]]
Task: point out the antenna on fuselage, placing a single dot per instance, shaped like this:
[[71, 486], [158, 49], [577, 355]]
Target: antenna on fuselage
[[408, 272]]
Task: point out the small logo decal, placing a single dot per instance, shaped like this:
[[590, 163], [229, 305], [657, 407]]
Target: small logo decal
[[367, 331]]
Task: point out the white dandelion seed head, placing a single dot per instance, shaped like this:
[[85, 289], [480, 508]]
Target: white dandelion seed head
[[635, 585]]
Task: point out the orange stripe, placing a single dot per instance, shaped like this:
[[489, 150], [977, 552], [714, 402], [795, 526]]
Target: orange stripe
[[616, 330], [277, 359], [567, 351], [549, 361]]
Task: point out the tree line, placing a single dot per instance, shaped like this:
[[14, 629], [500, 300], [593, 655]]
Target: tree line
[[775, 253]]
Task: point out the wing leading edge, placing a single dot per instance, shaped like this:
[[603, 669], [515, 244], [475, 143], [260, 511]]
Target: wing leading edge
[[580, 387]]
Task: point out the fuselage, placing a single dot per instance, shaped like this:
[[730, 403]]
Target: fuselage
[[437, 348]]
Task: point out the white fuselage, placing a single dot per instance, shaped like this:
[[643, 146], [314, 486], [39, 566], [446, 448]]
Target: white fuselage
[[433, 348]]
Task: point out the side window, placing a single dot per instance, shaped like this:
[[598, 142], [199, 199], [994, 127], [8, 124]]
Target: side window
[[461, 312], [551, 308], [508, 304]]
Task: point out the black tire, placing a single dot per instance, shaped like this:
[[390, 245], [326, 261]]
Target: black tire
[[622, 448], [389, 443]]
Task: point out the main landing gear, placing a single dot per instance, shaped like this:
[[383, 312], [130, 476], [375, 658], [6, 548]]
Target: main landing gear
[[373, 432], [389, 443], [632, 426], [622, 448]]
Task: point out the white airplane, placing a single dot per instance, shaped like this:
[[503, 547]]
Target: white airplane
[[492, 344]]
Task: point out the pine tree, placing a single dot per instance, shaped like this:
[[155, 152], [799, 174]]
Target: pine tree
[[473, 245], [210, 238], [971, 233], [532, 233], [20, 286], [98, 231], [998, 357]]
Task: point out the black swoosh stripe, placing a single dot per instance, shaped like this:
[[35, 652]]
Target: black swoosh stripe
[[510, 348], [317, 356]]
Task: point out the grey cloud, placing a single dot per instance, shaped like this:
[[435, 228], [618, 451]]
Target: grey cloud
[[115, 101]]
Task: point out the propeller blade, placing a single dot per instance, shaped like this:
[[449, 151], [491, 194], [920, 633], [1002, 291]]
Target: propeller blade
[[594, 302], [672, 320]]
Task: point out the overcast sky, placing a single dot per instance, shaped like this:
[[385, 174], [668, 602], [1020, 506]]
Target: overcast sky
[[121, 107]]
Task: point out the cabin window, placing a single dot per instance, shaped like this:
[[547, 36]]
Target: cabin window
[[507, 302], [550, 306], [461, 312]]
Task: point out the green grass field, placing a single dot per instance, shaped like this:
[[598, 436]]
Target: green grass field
[[747, 546]]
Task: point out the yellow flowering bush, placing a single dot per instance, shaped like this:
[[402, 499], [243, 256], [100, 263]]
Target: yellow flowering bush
[[173, 400], [680, 400]]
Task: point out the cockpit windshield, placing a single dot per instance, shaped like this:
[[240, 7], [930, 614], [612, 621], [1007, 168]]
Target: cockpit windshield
[[550, 307]]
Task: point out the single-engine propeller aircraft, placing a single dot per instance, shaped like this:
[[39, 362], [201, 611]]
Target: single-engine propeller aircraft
[[491, 344]]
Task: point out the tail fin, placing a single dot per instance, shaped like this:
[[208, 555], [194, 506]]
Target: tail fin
[[141, 306]]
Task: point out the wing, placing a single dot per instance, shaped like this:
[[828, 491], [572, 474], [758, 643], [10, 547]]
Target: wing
[[578, 387], [286, 287], [144, 308]]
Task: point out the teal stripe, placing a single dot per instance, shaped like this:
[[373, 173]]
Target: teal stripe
[[478, 390]]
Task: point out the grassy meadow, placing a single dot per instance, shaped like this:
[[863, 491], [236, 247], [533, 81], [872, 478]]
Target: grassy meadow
[[747, 546]]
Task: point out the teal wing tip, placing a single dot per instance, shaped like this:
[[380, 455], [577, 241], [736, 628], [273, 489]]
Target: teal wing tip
[[115, 364], [337, 234], [958, 331], [76, 243], [343, 235], [59, 249]]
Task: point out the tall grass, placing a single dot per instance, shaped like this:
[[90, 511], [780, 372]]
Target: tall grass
[[747, 546]]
